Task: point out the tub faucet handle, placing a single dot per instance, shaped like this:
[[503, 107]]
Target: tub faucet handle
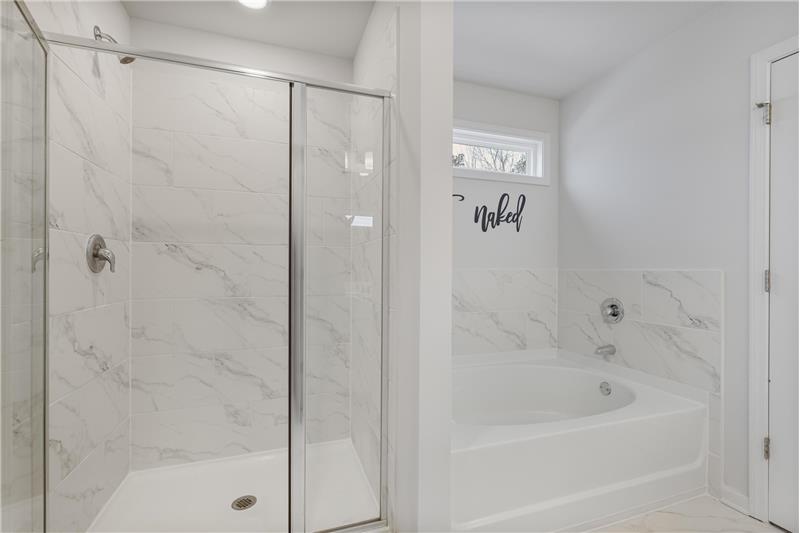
[[612, 311]]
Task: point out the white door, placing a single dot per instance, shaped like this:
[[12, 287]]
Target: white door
[[783, 297]]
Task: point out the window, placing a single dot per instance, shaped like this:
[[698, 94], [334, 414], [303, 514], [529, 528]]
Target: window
[[486, 152]]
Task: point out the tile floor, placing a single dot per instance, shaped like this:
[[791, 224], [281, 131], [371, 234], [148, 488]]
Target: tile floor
[[702, 514]]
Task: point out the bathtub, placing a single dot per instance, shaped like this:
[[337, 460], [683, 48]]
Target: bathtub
[[545, 443]]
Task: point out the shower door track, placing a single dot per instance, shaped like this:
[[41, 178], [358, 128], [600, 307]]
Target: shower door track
[[297, 177]]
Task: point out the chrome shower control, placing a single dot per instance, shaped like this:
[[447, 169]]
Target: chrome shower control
[[612, 311], [97, 255]]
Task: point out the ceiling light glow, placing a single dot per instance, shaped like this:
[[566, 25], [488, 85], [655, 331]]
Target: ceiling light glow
[[254, 4]]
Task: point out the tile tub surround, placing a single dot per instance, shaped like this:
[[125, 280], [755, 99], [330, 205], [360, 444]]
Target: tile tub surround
[[502, 310], [672, 325], [673, 329], [89, 376]]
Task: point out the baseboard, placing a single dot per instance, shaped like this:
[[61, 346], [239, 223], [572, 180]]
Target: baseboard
[[735, 499]]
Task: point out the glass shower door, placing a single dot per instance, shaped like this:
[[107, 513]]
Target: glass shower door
[[22, 273], [343, 293]]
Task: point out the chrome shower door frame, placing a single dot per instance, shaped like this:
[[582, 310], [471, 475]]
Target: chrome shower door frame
[[297, 215]]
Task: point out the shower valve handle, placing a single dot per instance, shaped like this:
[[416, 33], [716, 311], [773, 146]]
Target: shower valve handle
[[97, 255]]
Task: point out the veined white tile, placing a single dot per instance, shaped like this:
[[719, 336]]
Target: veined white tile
[[164, 270], [336, 222], [162, 383], [584, 290], [328, 369], [327, 270], [488, 332], [73, 286], [327, 418], [207, 325], [207, 216], [583, 333], [685, 355], [102, 74], [116, 457], [326, 174], [540, 329], [85, 344], [365, 331], [479, 289], [327, 319], [328, 119], [211, 162], [152, 157], [74, 502], [209, 432], [80, 422], [206, 103], [684, 298], [80, 121], [314, 221], [367, 203], [253, 375], [84, 198], [367, 268]]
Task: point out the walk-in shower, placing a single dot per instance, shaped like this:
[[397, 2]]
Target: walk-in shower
[[216, 292]]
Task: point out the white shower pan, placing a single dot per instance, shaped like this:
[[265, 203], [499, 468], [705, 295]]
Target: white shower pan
[[538, 446]]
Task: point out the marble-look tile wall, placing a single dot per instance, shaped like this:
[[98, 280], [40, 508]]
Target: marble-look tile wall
[[209, 310], [328, 265], [375, 65], [503, 309], [673, 329], [366, 190], [89, 379], [22, 232]]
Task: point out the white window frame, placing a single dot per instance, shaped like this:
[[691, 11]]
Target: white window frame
[[535, 143]]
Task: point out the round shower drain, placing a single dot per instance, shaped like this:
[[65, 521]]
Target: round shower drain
[[243, 502]]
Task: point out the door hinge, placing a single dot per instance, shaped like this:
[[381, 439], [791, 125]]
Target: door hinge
[[767, 281], [766, 109], [766, 448]]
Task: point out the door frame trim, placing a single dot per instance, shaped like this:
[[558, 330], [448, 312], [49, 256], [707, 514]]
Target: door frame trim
[[760, 65]]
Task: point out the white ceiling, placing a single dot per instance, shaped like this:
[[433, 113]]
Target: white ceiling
[[554, 48], [325, 27]]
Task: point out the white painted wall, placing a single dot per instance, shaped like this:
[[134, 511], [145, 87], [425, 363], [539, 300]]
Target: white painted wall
[[536, 245], [165, 37], [654, 175]]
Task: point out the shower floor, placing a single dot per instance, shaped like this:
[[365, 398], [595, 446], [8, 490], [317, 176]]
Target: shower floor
[[198, 496]]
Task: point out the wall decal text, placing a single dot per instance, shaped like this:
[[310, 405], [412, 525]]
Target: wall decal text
[[492, 219]]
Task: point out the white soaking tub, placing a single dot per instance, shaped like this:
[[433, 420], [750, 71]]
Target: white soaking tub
[[538, 446]]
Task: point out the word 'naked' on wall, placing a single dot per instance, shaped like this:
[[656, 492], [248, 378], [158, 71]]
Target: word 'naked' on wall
[[493, 219]]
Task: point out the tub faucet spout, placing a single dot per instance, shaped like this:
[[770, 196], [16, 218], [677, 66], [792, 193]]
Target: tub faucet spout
[[606, 350]]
